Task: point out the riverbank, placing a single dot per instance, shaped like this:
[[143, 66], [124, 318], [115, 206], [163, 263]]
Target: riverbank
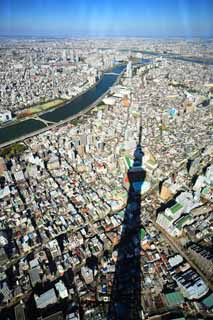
[[176, 56], [37, 115], [38, 110], [84, 106]]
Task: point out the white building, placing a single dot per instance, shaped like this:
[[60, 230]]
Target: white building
[[166, 219], [129, 69], [191, 284], [45, 299], [87, 274], [62, 290], [5, 116], [175, 211]]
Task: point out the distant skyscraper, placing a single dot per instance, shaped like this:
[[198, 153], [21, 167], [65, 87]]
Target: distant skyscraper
[[64, 55], [71, 55], [129, 69], [77, 58]]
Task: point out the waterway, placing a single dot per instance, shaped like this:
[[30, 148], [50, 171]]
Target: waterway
[[176, 57], [82, 102], [19, 129], [170, 55], [62, 113]]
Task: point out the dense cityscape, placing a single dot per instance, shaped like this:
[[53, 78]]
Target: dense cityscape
[[113, 206]]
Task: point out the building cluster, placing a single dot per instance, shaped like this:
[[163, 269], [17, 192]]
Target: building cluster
[[190, 48], [32, 73], [63, 200]]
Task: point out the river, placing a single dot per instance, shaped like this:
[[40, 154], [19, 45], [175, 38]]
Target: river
[[80, 103]]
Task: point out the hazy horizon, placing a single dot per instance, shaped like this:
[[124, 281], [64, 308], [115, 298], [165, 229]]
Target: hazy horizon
[[153, 19]]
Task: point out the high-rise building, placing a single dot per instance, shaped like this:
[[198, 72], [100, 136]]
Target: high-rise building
[[129, 69], [64, 55]]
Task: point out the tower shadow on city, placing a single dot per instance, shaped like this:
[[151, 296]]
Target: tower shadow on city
[[125, 300]]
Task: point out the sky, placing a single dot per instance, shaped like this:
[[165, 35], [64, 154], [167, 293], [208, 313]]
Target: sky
[[150, 18]]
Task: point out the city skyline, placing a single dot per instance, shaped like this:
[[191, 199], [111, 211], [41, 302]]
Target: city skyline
[[106, 175], [162, 18]]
